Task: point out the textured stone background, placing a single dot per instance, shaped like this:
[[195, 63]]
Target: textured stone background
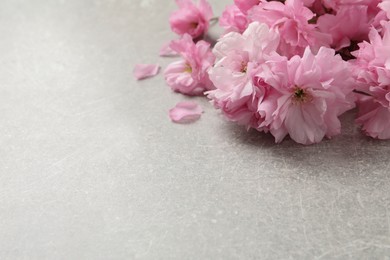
[[92, 168]]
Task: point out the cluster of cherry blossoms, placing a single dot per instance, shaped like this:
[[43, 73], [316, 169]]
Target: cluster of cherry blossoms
[[290, 68]]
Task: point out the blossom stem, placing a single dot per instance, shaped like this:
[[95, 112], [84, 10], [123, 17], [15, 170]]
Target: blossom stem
[[361, 92], [214, 20]]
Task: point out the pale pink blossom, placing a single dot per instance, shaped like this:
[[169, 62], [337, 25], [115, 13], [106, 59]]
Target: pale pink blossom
[[383, 15], [143, 71], [190, 18], [233, 20], [385, 6], [189, 75], [185, 112], [291, 19], [372, 73], [374, 117], [314, 90], [257, 40], [238, 91]]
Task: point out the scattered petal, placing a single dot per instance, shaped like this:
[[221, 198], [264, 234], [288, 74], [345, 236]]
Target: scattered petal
[[185, 112], [143, 71], [166, 51]]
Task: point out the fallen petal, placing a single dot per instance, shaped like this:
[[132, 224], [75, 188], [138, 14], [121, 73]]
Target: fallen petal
[[143, 71], [185, 112], [166, 51]]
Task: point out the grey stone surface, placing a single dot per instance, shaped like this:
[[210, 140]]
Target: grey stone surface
[[92, 168]]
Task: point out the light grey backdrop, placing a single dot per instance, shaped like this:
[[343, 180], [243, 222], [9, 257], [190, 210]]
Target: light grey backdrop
[[92, 168]]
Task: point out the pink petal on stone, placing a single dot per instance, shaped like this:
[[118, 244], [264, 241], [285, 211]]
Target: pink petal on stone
[[166, 51], [185, 112], [143, 71]]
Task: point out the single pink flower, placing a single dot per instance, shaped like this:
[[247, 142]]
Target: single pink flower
[[185, 112], [190, 18], [291, 19], [143, 71], [314, 90], [189, 75], [233, 20]]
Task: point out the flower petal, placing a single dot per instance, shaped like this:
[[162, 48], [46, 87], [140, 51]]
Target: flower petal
[[166, 51], [185, 112], [143, 71]]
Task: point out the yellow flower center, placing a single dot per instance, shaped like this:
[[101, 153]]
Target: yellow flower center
[[194, 25], [301, 95], [188, 68], [244, 67]]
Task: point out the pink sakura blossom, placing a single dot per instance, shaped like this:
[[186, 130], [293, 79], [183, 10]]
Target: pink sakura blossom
[[351, 23], [233, 20], [374, 117], [185, 112], [190, 18], [233, 75], [143, 71], [189, 75], [312, 92], [292, 22], [372, 72]]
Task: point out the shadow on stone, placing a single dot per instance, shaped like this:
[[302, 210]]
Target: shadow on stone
[[346, 150]]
